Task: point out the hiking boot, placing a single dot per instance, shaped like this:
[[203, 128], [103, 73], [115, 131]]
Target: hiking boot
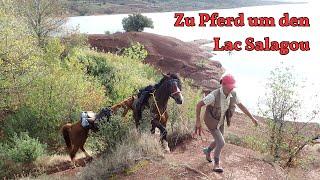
[[217, 168], [207, 152]]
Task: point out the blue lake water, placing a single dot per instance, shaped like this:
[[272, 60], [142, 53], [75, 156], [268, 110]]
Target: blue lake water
[[250, 68]]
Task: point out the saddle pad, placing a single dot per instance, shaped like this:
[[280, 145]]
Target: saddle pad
[[87, 116]]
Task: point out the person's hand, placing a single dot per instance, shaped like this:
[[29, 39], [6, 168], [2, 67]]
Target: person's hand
[[198, 129], [255, 121]]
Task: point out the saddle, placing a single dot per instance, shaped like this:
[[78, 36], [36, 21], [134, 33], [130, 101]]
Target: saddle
[[143, 96], [86, 117]]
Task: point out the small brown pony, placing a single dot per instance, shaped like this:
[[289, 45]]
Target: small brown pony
[[75, 135]]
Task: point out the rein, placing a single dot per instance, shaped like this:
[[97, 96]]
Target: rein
[[155, 101]]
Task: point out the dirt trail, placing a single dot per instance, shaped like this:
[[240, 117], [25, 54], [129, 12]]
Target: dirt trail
[[188, 162]]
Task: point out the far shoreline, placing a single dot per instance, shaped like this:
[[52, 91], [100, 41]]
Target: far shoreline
[[115, 9]]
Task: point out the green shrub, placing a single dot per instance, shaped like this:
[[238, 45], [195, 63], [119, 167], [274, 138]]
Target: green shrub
[[54, 98], [234, 139], [136, 51], [122, 76], [110, 134], [136, 22], [255, 143], [25, 149]]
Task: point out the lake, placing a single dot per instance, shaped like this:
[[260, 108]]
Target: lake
[[250, 68]]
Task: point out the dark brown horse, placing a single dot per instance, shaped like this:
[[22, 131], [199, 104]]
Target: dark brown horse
[[75, 135], [169, 86]]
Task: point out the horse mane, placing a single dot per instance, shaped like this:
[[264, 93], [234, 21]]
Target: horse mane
[[171, 76]]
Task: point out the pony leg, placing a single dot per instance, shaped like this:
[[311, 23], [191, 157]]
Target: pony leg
[[73, 154]]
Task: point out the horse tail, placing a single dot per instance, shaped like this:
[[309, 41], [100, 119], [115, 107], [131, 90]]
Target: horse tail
[[66, 136]]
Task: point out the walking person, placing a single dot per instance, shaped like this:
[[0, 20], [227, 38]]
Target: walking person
[[220, 105]]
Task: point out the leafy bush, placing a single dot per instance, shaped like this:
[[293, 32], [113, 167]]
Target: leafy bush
[[122, 76], [136, 51], [256, 143], [55, 97], [234, 139], [281, 102], [110, 134], [25, 149], [136, 22]]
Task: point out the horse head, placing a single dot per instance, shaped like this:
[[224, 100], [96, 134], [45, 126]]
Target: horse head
[[173, 84]]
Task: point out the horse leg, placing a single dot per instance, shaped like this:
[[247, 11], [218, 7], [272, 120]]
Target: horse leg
[[164, 124], [163, 134], [153, 128], [136, 118]]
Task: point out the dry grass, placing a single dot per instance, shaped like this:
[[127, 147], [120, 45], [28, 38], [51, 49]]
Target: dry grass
[[136, 148], [56, 159]]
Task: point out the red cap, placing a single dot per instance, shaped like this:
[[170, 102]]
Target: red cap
[[228, 81]]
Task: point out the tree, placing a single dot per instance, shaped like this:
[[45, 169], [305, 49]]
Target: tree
[[136, 22], [18, 58], [43, 17], [286, 138]]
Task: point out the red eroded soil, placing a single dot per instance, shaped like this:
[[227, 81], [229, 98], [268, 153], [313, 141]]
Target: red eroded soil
[[168, 54]]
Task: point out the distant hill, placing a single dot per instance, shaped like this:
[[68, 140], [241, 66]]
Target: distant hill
[[94, 7]]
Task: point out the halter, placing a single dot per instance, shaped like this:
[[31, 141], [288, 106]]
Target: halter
[[178, 90]]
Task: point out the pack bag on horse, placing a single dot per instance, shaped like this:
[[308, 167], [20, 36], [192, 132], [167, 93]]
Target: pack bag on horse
[[156, 99], [75, 135]]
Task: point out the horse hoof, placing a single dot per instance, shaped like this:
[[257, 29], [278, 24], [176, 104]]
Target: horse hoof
[[166, 147], [73, 165], [89, 158], [167, 150]]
